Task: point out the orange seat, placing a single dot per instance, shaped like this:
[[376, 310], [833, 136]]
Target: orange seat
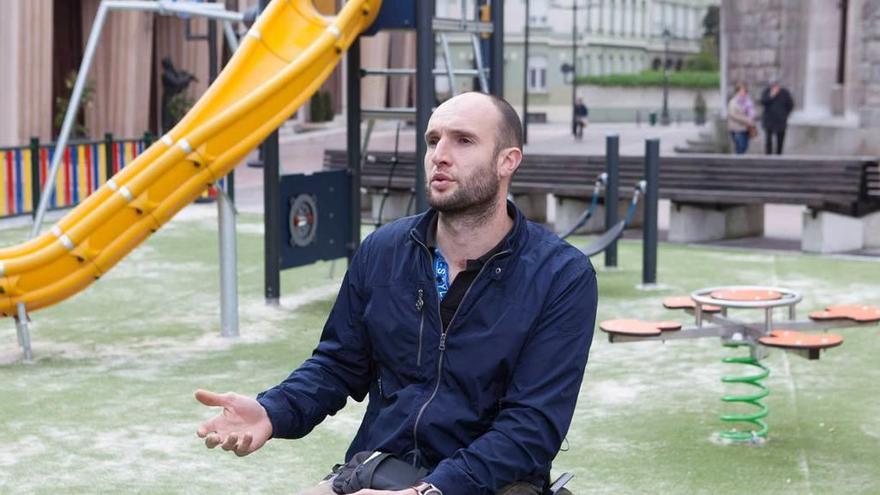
[[639, 328], [789, 339], [685, 302], [746, 295], [855, 312]]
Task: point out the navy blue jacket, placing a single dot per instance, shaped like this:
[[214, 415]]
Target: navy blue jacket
[[485, 403]]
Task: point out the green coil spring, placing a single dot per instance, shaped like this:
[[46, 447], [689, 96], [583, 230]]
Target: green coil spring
[[759, 430]]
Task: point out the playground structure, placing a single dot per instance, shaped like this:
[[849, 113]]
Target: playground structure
[[284, 58], [486, 31], [710, 308]]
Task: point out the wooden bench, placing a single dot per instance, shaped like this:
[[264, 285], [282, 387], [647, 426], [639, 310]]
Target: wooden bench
[[713, 196], [568, 178]]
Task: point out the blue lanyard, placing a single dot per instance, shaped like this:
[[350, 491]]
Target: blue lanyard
[[441, 273]]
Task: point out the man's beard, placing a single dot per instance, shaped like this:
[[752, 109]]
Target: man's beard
[[475, 198]]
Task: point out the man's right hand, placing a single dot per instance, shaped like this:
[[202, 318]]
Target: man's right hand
[[242, 427]]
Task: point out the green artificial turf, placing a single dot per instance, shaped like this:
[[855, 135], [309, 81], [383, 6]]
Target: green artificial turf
[[107, 405]]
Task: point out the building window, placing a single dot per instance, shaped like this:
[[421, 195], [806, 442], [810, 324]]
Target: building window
[[537, 74], [538, 13]]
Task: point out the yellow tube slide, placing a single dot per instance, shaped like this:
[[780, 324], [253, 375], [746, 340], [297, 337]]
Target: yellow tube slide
[[282, 61]]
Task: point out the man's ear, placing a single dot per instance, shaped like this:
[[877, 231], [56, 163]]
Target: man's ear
[[508, 161]]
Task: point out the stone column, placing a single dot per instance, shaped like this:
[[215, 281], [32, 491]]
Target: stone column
[[637, 19], [606, 17], [822, 55], [867, 70]]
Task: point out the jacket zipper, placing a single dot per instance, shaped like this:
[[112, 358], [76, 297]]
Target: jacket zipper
[[442, 347], [420, 304]]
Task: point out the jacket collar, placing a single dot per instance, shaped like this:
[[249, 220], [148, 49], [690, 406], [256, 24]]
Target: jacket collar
[[516, 238]]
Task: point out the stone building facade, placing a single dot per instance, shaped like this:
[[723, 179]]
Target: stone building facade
[[612, 37], [826, 52]]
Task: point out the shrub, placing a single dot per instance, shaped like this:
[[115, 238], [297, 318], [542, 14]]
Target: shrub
[[654, 78]]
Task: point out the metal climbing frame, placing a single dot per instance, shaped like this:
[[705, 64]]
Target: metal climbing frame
[[427, 26]]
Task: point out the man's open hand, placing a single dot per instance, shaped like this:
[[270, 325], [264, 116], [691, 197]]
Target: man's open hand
[[242, 427]]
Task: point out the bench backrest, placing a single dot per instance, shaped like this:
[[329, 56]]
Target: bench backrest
[[848, 185]]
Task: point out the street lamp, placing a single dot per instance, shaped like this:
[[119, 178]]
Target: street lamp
[[573, 66], [664, 115]]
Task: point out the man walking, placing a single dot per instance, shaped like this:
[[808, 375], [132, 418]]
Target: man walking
[[467, 326], [580, 118], [778, 104]]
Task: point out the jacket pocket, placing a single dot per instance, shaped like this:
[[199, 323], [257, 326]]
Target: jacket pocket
[[394, 317]]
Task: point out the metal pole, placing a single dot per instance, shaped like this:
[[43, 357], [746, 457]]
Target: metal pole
[[447, 55], [24, 336], [225, 225], [649, 242], [212, 11], [70, 115], [424, 91], [228, 267], [481, 69], [664, 115], [574, 71], [496, 84], [232, 43], [722, 57], [353, 140], [612, 183], [231, 38], [525, 96]]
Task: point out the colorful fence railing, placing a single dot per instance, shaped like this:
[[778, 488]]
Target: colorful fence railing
[[84, 168]]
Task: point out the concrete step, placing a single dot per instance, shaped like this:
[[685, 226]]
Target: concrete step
[[707, 148]]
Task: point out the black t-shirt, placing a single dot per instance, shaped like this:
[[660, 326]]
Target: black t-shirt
[[459, 287]]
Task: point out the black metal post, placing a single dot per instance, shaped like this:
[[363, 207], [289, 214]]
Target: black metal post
[[424, 91], [108, 153], [612, 183], [496, 83], [664, 115], [353, 139], [36, 182], [271, 213], [649, 242], [272, 218], [525, 96]]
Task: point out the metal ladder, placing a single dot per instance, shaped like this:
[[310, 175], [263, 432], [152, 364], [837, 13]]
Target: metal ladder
[[442, 25]]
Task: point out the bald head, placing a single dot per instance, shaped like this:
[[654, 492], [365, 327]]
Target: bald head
[[508, 128]]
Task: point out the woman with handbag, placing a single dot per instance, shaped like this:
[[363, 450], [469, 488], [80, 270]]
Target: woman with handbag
[[741, 119]]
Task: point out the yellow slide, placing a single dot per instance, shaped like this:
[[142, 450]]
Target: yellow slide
[[282, 61]]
